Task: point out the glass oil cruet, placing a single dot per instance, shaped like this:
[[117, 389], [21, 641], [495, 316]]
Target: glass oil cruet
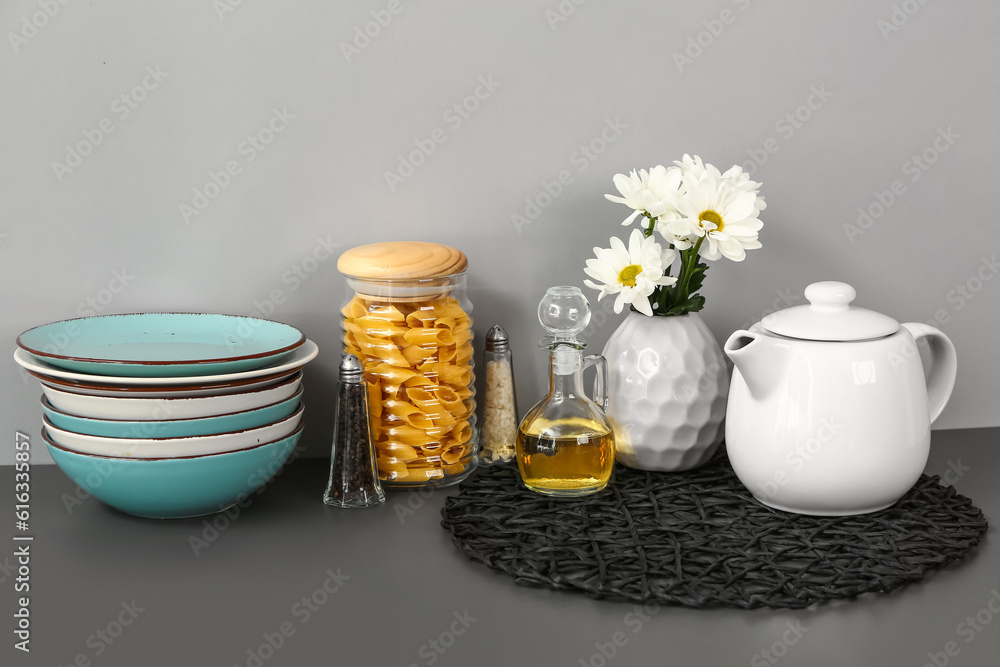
[[565, 444]]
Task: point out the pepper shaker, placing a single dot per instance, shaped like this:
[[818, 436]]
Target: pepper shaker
[[500, 413], [353, 476]]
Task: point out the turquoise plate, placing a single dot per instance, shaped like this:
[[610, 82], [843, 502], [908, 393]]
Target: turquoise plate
[[172, 428], [175, 488], [161, 344]]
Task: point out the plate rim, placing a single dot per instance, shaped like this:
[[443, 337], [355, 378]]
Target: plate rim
[[46, 405], [49, 442], [70, 385], [300, 357], [160, 362], [298, 413]]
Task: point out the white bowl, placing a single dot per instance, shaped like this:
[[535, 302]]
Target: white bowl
[[155, 409], [151, 448], [182, 391], [172, 428]]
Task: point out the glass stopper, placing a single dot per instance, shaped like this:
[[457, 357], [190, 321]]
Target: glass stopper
[[564, 312]]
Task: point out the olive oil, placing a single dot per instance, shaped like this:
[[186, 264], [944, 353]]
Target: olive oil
[[566, 459], [565, 444]]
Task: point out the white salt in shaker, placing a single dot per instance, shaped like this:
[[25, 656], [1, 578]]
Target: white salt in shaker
[[499, 435]]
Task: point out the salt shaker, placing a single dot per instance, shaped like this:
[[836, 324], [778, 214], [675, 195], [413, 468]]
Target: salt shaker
[[353, 476], [500, 415]]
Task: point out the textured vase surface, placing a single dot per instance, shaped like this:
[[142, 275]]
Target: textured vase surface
[[667, 388]]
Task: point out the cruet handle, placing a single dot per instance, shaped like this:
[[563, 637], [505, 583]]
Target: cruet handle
[[600, 382]]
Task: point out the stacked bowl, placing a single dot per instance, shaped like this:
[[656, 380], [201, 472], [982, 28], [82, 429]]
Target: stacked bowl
[[169, 415]]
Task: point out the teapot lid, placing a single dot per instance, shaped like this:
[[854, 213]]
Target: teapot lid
[[829, 316]]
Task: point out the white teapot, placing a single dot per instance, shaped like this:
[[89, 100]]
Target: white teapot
[[829, 408]]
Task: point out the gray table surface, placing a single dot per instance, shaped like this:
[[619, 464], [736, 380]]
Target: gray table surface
[[110, 589]]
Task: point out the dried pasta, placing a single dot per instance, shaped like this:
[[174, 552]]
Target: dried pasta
[[417, 358]]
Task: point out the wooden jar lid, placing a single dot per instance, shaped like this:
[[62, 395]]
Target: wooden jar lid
[[406, 260]]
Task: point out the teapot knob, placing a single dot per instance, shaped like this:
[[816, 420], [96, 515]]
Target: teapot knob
[[830, 295]]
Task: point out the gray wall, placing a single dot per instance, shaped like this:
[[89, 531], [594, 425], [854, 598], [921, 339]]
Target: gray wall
[[611, 76]]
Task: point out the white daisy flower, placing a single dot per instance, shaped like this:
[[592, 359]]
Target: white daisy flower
[[721, 208], [646, 192], [695, 167], [681, 242], [632, 273]]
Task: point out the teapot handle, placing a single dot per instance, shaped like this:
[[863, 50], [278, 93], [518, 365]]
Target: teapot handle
[[944, 365]]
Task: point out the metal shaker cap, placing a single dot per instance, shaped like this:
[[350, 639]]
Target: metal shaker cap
[[497, 339], [351, 370]]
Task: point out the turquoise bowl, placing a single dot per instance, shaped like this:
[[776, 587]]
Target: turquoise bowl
[[175, 488], [172, 428], [161, 344]]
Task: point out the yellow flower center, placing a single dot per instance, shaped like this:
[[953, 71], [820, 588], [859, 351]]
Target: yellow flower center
[[712, 216], [628, 274]]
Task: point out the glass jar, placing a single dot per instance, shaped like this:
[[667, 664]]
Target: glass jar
[[408, 319]]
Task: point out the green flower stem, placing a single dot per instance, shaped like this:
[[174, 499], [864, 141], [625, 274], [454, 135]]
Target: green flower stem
[[689, 258], [669, 298]]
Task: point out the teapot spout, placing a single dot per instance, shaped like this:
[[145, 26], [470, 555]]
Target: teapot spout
[[760, 360]]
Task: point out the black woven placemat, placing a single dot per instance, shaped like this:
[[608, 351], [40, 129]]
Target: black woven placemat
[[699, 539]]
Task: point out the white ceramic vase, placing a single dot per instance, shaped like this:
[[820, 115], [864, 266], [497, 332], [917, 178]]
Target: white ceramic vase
[[667, 388]]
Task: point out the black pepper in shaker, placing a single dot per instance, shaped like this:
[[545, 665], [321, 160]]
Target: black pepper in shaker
[[353, 476]]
